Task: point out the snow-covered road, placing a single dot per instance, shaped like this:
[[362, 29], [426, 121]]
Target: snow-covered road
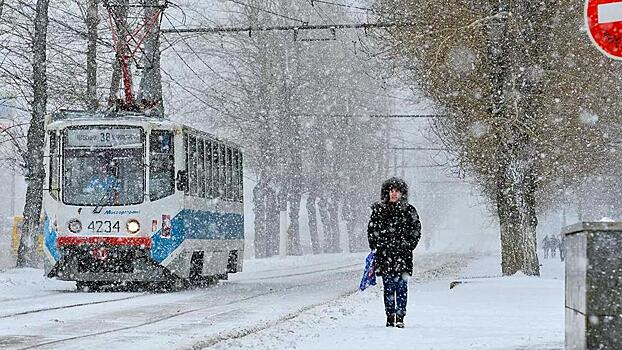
[[36, 313]]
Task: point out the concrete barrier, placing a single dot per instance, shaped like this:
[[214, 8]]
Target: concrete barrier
[[593, 286]]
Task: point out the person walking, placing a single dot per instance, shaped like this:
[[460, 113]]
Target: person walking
[[562, 248], [553, 245], [394, 231], [545, 246]]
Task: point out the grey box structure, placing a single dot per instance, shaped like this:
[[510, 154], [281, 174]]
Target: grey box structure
[[593, 286]]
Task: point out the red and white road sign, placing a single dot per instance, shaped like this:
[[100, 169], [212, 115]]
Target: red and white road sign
[[604, 22]]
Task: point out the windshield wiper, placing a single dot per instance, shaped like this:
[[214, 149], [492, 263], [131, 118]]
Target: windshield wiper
[[100, 203]]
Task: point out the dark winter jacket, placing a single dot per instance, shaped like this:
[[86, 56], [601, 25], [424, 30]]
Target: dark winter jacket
[[394, 231]]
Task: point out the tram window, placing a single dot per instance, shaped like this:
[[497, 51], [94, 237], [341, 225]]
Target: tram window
[[209, 188], [54, 172], [192, 166], [103, 176], [241, 177], [161, 165], [215, 170], [229, 175], [186, 157], [223, 169], [236, 174], [161, 142], [201, 168]]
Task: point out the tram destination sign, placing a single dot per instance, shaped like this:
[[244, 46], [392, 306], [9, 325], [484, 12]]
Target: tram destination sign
[[104, 137]]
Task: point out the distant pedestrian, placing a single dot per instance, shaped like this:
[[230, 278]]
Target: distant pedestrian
[[546, 246], [562, 248], [394, 231], [553, 245]]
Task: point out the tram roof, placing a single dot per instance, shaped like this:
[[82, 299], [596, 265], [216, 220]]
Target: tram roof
[[107, 116], [81, 117]]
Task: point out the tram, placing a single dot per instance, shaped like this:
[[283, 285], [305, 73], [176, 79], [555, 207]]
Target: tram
[[134, 198]]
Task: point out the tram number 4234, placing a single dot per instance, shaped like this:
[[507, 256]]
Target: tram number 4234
[[104, 226]]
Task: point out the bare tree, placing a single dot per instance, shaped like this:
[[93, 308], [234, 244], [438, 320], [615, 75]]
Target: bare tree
[[35, 173], [516, 79], [119, 14], [92, 20], [150, 90], [271, 91]]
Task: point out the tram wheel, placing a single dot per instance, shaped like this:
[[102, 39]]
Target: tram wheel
[[88, 286], [203, 281], [171, 285]]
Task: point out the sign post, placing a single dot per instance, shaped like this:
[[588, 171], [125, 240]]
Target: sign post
[[603, 19]]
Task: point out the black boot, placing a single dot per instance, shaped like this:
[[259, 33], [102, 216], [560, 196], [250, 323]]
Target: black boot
[[399, 321], [390, 320]]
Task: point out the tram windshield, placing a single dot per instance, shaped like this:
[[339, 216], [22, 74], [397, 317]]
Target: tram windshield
[[103, 166]]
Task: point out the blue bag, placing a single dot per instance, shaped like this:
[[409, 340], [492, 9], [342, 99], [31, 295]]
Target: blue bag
[[369, 274]]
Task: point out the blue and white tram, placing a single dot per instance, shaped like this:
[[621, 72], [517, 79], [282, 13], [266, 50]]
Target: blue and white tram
[[132, 198]]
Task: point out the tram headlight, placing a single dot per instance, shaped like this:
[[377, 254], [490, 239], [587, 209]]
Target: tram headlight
[[75, 226], [133, 226]]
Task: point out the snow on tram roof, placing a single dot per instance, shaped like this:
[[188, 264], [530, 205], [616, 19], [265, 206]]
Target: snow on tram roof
[[65, 114], [65, 118], [81, 117]]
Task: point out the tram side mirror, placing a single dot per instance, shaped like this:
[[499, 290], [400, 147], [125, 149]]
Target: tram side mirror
[[182, 180]]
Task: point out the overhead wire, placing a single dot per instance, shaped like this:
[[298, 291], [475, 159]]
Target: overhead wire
[[194, 72], [196, 54], [367, 9], [318, 11], [268, 11]]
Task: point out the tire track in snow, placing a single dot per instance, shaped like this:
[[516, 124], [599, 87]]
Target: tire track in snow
[[54, 308], [423, 276], [177, 314]]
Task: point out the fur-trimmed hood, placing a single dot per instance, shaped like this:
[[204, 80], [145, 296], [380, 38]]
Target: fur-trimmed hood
[[394, 182]]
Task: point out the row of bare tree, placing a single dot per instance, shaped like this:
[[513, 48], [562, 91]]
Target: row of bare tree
[[300, 106], [60, 44]]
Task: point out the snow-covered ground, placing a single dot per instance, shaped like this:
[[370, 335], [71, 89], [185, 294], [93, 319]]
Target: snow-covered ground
[[297, 302], [483, 313]]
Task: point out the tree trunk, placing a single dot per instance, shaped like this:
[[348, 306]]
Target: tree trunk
[[328, 213], [516, 210], [294, 189], [120, 14], [515, 185], [259, 201], [325, 219], [333, 210], [92, 20], [515, 192], [531, 265], [150, 90], [272, 223], [293, 231], [35, 173], [312, 216]]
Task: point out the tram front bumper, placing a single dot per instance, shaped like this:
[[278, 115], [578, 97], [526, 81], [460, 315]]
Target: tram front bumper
[[106, 259]]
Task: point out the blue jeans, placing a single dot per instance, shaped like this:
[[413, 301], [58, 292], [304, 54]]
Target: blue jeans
[[395, 292]]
